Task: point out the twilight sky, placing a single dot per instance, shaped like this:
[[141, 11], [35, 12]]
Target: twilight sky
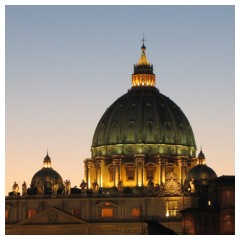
[[66, 64]]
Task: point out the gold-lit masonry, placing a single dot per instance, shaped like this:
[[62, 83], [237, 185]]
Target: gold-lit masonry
[[143, 71]]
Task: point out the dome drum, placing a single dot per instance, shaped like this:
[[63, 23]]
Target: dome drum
[[148, 149], [143, 116]]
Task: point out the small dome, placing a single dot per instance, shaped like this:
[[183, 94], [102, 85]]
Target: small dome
[[201, 173], [47, 176]]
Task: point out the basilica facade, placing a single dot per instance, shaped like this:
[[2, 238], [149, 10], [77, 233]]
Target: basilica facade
[[144, 176]]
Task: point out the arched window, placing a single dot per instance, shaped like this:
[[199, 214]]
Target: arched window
[[227, 227], [189, 227]]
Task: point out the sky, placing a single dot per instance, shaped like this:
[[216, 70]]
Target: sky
[[65, 65]]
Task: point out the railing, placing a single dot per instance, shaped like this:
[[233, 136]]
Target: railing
[[81, 195]]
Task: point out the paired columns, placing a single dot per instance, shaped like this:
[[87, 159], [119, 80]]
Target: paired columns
[[139, 162], [99, 164], [183, 170], [92, 174], [87, 171], [162, 161], [117, 171], [94, 169]]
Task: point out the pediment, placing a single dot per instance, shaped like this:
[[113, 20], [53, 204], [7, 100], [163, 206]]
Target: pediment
[[150, 164], [102, 204], [53, 216]]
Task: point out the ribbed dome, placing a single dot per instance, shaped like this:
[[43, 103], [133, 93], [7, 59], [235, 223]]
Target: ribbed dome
[[143, 117], [201, 174], [47, 176]]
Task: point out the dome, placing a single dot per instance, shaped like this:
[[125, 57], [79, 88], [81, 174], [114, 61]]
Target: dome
[[201, 173], [143, 121], [47, 176], [144, 116]]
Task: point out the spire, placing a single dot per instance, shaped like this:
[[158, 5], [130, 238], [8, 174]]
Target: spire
[[143, 71], [143, 59], [143, 40]]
